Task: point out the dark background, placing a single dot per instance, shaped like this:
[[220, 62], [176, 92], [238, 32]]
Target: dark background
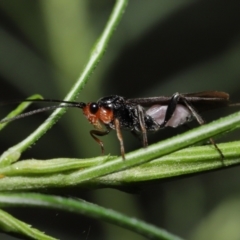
[[160, 47]]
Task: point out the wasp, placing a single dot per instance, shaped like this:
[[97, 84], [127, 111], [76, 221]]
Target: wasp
[[140, 115]]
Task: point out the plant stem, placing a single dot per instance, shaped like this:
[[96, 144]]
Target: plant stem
[[86, 208], [12, 225], [10, 155], [63, 172]]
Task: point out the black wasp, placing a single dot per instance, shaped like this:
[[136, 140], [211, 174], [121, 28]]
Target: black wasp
[[140, 115]]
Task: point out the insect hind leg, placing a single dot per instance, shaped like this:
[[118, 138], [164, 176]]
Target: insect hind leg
[[142, 126], [200, 120], [171, 108]]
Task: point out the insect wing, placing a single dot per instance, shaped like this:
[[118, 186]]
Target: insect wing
[[202, 101]]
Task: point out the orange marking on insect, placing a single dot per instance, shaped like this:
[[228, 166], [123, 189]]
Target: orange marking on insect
[[105, 115], [92, 118], [100, 117]]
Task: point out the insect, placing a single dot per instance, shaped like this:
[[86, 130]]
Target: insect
[[140, 115]]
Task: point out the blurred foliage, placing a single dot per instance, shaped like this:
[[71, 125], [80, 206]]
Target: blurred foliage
[[159, 48]]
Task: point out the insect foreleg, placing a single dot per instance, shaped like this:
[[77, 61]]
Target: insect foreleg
[[99, 133]]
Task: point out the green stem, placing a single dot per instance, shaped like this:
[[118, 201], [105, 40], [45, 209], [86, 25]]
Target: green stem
[[12, 225], [13, 153], [66, 173], [89, 209]]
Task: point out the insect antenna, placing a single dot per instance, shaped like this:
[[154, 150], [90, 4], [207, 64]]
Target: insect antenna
[[67, 104], [42, 100]]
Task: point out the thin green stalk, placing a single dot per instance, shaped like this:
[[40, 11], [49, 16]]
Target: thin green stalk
[[185, 161], [86, 208], [12, 225], [10, 155], [35, 167]]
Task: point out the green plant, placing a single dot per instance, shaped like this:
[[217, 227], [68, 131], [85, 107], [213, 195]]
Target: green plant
[[158, 161]]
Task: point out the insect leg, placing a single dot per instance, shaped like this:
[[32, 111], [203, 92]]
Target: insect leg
[[99, 133], [120, 138], [171, 108], [200, 121], [142, 125]]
